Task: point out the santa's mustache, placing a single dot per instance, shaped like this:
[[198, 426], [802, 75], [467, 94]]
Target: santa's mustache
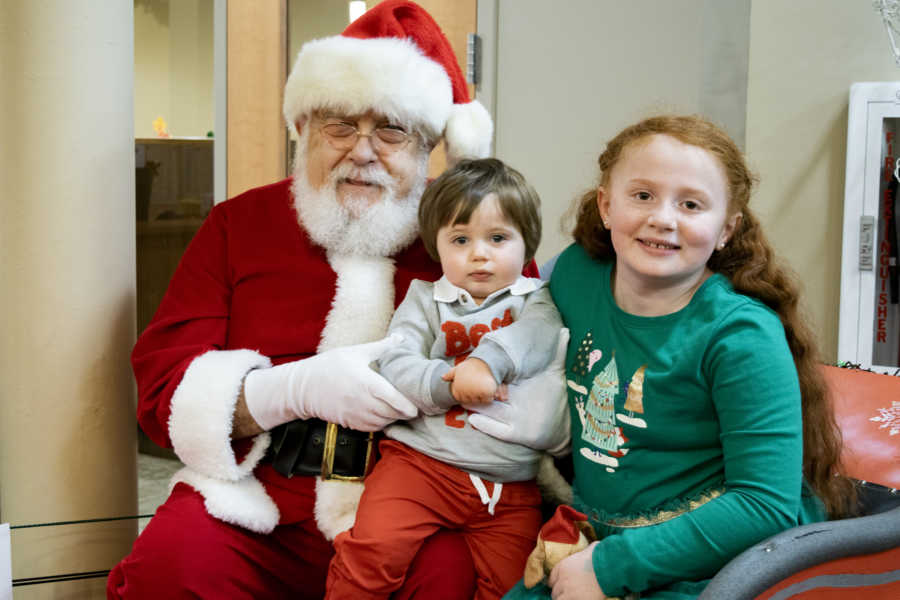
[[371, 175]]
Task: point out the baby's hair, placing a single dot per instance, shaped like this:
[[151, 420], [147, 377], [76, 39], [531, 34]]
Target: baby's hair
[[749, 262], [454, 196]]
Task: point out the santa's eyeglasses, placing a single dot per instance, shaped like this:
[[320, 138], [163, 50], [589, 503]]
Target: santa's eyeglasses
[[385, 139]]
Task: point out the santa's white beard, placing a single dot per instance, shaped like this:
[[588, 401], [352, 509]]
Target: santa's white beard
[[357, 226]]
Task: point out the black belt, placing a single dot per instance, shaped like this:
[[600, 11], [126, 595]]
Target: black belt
[[314, 447]]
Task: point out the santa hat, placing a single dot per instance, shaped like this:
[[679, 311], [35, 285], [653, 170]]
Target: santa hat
[[563, 527], [395, 60], [566, 533]]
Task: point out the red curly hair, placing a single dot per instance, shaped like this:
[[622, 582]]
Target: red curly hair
[[748, 261]]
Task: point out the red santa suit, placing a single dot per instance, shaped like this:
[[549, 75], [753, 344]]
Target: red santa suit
[[251, 291]]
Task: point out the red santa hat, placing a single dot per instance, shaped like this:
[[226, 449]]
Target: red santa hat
[[562, 527], [394, 60]]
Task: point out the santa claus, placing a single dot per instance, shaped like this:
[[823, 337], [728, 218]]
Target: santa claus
[[275, 313]]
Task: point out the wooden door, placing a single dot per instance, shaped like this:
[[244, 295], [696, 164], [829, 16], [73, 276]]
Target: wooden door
[[257, 59]]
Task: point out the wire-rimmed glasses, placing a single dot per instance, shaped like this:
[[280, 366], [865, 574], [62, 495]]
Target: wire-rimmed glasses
[[386, 139]]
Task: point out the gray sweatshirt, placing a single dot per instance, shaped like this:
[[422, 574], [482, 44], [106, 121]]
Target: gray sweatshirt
[[515, 331]]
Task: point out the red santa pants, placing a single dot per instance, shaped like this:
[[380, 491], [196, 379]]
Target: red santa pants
[[185, 553], [408, 497]]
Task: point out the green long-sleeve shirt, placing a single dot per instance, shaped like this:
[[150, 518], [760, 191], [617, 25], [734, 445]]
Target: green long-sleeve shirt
[[670, 409]]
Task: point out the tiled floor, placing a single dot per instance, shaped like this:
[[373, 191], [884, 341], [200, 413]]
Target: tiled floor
[[154, 473]]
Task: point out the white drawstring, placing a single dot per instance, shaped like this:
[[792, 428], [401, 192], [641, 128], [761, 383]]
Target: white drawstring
[[492, 500]]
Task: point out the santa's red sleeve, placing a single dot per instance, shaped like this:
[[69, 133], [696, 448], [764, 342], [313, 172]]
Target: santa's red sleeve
[[188, 384]]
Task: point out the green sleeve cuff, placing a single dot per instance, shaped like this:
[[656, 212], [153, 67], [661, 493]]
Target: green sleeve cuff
[[608, 577]]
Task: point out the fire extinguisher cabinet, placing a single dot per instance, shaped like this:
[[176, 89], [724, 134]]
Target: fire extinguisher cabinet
[[869, 330]]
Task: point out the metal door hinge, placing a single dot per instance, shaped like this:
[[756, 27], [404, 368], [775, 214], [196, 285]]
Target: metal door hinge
[[473, 59]]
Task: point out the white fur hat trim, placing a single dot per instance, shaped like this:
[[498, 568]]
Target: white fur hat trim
[[352, 76]]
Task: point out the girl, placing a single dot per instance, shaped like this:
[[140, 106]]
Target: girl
[[700, 419]]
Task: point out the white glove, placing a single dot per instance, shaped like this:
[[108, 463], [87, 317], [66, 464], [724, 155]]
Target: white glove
[[537, 413], [337, 386]]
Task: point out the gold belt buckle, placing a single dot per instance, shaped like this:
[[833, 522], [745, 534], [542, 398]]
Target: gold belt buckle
[[331, 432]]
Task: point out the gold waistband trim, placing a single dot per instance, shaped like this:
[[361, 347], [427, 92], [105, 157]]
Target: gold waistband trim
[[664, 515]]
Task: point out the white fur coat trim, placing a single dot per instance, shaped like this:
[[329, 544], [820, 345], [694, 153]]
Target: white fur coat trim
[[363, 301], [244, 503], [361, 312], [203, 410], [336, 504]]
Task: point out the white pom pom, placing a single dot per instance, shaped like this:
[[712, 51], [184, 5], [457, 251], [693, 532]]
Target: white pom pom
[[469, 132]]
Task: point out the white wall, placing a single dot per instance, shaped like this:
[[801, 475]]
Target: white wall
[[569, 75], [312, 19], [804, 55]]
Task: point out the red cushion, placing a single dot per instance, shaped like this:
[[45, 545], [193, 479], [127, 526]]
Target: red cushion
[[867, 408]]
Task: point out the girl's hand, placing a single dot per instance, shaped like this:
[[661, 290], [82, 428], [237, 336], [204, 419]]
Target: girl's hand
[[573, 578]]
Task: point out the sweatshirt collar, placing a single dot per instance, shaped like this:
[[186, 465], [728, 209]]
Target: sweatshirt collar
[[444, 291]]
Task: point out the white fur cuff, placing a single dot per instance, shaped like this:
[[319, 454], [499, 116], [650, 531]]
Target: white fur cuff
[[203, 410], [244, 503]]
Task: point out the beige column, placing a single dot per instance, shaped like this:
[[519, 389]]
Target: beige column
[[67, 281]]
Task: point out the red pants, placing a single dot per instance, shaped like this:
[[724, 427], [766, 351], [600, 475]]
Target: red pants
[[408, 497], [185, 553]]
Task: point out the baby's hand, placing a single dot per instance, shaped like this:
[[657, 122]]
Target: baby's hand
[[471, 382]]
